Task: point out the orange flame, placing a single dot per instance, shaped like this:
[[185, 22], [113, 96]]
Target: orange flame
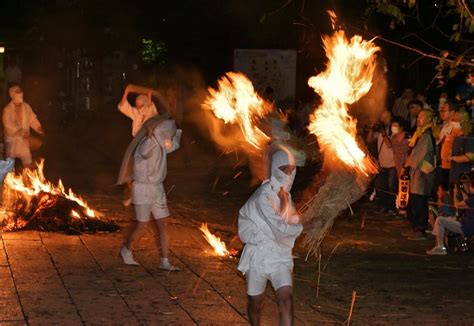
[[333, 17], [32, 182], [75, 214], [216, 243], [347, 78], [236, 102]]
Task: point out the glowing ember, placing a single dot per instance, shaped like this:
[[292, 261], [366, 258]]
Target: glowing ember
[[236, 102], [347, 78], [216, 243], [75, 214]]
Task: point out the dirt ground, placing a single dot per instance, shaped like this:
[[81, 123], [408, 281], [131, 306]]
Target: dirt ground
[[58, 279]]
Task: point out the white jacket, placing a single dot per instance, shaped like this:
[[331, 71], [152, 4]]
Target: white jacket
[[268, 237], [150, 165]]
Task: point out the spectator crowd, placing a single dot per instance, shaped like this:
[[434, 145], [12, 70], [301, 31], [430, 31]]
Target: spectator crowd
[[433, 147]]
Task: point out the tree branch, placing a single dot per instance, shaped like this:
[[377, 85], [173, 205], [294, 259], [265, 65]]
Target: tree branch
[[286, 4], [421, 40], [406, 47], [466, 7]]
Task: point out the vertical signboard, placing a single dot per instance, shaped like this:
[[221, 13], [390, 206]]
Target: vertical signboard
[[269, 68]]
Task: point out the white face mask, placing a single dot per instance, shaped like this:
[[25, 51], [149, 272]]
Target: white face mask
[[442, 100], [278, 178], [17, 98], [395, 130], [16, 94]]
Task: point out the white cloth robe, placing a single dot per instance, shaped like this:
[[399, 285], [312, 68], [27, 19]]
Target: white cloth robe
[[267, 236], [16, 145], [150, 166], [138, 116]]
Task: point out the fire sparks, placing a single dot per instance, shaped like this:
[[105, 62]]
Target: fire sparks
[[236, 102], [217, 244], [347, 78]]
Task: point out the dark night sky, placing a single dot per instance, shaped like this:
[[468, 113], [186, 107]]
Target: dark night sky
[[204, 33]]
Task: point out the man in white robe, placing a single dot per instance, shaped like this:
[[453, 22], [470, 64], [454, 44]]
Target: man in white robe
[[143, 110], [269, 226], [148, 194], [144, 107], [18, 118]]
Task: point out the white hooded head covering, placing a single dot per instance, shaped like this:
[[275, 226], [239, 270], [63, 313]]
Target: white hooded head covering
[[141, 101], [16, 94], [278, 178], [165, 132], [278, 130]]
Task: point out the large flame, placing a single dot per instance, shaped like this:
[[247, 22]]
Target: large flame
[[216, 243], [33, 182], [236, 102], [347, 78]]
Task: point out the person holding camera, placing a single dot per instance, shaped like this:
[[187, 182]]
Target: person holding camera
[[386, 182], [464, 226]]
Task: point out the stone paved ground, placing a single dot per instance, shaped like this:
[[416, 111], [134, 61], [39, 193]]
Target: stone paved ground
[[56, 279]]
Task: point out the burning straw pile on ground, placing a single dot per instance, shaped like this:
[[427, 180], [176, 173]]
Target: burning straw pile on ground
[[33, 203], [348, 77]]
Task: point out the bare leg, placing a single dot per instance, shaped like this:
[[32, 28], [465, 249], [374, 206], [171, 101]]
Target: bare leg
[[137, 232], [285, 305], [128, 194], [254, 308], [162, 224]]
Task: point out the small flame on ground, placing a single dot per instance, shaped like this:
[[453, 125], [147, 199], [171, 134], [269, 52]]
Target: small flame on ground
[[217, 244], [347, 78], [236, 102]]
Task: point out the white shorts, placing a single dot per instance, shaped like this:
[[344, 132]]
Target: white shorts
[[149, 199], [257, 282], [143, 212]]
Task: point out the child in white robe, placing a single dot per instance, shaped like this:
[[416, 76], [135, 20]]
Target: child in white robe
[[269, 226]]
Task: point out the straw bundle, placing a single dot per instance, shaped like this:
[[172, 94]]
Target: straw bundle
[[342, 188]]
